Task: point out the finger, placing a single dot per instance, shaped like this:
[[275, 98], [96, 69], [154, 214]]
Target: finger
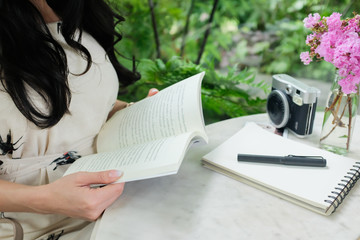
[[104, 177], [152, 92], [112, 191], [109, 194]]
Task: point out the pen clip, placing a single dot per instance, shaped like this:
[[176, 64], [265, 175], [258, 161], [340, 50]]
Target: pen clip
[[308, 157]]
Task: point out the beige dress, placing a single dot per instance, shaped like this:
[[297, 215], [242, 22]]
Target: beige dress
[[34, 150]]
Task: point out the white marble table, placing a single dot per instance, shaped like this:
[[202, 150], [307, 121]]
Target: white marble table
[[198, 203]]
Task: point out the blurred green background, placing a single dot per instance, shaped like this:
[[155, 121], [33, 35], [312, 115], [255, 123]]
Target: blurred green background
[[234, 41]]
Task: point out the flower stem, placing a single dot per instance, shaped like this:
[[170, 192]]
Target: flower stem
[[349, 101], [337, 120], [331, 109]]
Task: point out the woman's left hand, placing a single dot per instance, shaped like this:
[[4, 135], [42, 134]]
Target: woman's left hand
[[152, 92], [121, 104]]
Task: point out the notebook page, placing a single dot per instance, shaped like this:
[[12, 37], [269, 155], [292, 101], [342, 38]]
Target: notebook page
[[308, 184]]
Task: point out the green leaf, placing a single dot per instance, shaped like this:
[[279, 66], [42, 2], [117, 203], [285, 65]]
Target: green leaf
[[326, 116], [222, 95]]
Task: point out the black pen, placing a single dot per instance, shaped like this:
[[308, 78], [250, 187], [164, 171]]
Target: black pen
[[309, 161]]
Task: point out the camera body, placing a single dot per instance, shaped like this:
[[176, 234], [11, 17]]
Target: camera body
[[292, 104]]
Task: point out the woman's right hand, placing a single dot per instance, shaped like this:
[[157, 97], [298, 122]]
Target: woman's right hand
[[72, 195]]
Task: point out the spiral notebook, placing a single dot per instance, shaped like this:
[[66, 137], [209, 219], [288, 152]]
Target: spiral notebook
[[321, 189]]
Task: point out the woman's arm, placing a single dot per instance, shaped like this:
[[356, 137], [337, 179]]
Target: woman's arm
[[117, 106], [71, 195], [121, 104]]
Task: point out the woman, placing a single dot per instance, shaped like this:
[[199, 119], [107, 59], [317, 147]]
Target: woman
[[59, 81]]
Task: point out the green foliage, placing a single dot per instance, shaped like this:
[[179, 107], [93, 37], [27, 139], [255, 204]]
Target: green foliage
[[290, 38], [223, 96], [230, 46], [326, 117], [283, 19], [280, 18], [354, 104], [137, 31]]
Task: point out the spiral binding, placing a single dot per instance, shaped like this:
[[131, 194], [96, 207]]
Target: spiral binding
[[344, 188]]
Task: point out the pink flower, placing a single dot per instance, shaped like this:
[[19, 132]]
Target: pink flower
[[305, 58], [310, 38], [343, 72], [338, 42], [356, 68], [326, 48], [334, 22], [356, 80], [311, 20], [353, 25], [347, 84]]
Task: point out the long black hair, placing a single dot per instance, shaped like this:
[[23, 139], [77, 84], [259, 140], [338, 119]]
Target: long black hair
[[31, 58]]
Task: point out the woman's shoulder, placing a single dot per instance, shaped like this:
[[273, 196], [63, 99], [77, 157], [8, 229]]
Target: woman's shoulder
[[9, 113], [12, 123], [6, 103]]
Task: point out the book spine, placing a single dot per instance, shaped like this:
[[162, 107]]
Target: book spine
[[344, 187]]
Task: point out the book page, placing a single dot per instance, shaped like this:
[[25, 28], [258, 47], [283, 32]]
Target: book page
[[152, 159], [174, 110], [312, 185]]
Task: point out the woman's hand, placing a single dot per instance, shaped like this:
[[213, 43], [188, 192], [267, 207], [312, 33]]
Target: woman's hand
[[73, 196], [121, 104], [152, 92]]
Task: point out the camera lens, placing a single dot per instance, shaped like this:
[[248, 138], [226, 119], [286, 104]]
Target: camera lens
[[278, 108]]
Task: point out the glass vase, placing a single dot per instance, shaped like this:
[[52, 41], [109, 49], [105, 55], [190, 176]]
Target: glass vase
[[339, 119]]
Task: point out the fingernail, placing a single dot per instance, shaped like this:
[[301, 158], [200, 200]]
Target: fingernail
[[153, 90], [115, 173]]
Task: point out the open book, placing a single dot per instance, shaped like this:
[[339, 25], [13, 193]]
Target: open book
[[150, 138], [320, 189]]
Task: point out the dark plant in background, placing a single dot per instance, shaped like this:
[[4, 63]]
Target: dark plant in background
[[207, 32], [161, 29], [223, 96], [232, 22]]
